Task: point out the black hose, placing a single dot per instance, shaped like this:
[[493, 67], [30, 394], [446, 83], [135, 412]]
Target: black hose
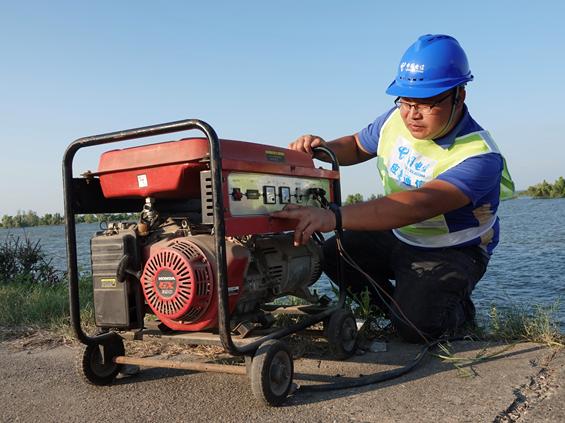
[[370, 379], [376, 377]]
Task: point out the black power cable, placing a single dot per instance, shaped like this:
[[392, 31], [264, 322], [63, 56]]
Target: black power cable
[[373, 378], [380, 376]]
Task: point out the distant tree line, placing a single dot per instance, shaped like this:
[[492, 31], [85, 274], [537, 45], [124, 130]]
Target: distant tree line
[[547, 190], [30, 218], [541, 190], [358, 198]]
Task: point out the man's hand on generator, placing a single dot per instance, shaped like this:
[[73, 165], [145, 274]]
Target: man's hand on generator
[[306, 143], [310, 220]]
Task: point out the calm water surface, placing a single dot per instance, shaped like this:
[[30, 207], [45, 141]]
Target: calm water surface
[[528, 266]]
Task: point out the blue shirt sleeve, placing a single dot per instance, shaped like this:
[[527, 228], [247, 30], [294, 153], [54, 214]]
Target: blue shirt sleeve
[[369, 136], [477, 177]]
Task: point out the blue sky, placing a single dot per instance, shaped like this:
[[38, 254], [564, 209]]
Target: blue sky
[[261, 71]]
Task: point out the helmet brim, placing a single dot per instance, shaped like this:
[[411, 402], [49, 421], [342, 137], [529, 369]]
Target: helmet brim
[[421, 91], [413, 92]]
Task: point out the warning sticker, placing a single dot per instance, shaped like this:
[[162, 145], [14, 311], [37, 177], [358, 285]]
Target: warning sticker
[[108, 282], [142, 181], [274, 156]]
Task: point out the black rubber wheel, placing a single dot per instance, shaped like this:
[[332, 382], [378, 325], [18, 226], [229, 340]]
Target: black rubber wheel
[[95, 363], [272, 370], [342, 334]]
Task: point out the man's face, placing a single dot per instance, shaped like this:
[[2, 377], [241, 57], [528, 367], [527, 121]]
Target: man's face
[[426, 118]]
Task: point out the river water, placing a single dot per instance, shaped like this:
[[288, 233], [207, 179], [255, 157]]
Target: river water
[[527, 268]]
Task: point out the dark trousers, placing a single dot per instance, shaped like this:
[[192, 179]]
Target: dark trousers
[[432, 288]]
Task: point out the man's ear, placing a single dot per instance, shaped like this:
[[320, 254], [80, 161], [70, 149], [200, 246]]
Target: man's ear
[[460, 96]]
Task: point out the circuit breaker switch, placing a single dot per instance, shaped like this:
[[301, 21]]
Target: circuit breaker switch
[[284, 195], [269, 195], [236, 194]]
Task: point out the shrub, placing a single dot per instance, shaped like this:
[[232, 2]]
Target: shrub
[[23, 261], [517, 323]]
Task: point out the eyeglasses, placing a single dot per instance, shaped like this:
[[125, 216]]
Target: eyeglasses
[[423, 108]]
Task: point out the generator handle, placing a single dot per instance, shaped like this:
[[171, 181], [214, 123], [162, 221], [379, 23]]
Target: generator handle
[[337, 200], [70, 224], [335, 166]]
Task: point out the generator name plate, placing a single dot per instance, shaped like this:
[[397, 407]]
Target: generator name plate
[[260, 193]]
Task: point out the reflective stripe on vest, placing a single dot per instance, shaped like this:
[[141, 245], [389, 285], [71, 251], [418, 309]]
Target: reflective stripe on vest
[[406, 163]]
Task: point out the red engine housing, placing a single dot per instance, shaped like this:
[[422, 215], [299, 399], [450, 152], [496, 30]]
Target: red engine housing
[[171, 170], [178, 280], [179, 283]]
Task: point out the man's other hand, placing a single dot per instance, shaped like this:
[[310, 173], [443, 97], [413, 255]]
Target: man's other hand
[[305, 143]]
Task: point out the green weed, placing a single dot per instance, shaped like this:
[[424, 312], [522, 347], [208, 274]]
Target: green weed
[[510, 325], [361, 305], [464, 365], [42, 306], [23, 261], [33, 294], [515, 323]]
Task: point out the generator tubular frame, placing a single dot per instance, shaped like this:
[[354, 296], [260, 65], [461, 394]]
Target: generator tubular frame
[[73, 206]]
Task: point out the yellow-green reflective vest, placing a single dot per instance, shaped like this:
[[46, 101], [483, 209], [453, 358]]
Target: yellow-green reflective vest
[[406, 163]]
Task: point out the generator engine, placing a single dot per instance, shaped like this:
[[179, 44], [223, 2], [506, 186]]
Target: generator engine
[[165, 262]]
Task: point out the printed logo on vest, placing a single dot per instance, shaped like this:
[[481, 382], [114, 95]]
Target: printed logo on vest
[[408, 166]]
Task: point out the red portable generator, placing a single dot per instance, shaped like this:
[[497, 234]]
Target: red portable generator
[[204, 255]]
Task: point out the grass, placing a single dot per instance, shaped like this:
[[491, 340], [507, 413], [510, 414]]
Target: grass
[[34, 296], [361, 305], [514, 323], [42, 306], [26, 308], [464, 365], [509, 325], [46, 306]]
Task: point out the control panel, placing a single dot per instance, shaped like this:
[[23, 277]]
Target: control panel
[[259, 193]]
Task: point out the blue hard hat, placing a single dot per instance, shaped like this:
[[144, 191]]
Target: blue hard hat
[[430, 66]]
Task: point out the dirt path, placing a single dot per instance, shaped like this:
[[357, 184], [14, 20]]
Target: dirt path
[[40, 384]]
